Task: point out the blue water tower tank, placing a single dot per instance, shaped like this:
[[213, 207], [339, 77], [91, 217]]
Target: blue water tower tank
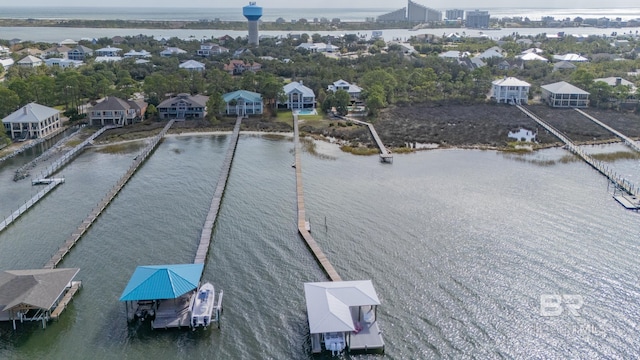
[[252, 12]]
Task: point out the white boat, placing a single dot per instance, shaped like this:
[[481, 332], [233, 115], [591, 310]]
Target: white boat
[[202, 306]]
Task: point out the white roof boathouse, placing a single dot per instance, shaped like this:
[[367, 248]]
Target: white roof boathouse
[[343, 315]]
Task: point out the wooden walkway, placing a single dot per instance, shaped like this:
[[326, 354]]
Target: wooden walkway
[[302, 228], [52, 183], [207, 229], [616, 179], [385, 155], [102, 205], [627, 140]]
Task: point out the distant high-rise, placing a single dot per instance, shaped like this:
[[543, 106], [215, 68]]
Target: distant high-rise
[[253, 13], [454, 14], [477, 19], [414, 12]]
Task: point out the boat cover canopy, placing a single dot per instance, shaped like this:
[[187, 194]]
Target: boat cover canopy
[[328, 303], [161, 282], [33, 289]]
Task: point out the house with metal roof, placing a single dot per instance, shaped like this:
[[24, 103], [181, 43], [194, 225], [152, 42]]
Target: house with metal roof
[[35, 295], [108, 51], [531, 56], [492, 52], [243, 103], [562, 94], [183, 106], [57, 51], [170, 51], [510, 90], [318, 47], [115, 111], [32, 121], [354, 90], [192, 65], [298, 96], [30, 61], [570, 57], [63, 63], [614, 81], [343, 315], [563, 65]]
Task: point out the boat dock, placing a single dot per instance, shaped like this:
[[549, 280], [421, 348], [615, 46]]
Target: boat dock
[[627, 140], [66, 299], [102, 205], [172, 313], [385, 155], [302, 228], [617, 180], [51, 184], [71, 154], [207, 229]]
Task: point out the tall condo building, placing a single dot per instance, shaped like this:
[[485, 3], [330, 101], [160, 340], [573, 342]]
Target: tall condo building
[[477, 19], [454, 14], [253, 13], [414, 12]]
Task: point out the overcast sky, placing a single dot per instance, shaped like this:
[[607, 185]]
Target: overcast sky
[[388, 4]]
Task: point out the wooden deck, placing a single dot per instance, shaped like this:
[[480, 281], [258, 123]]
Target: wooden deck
[[311, 243], [627, 140], [385, 154], [102, 205], [172, 313], [66, 299], [620, 182], [207, 229]]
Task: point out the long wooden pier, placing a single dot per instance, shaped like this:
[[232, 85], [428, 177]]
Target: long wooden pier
[[207, 229], [102, 205], [302, 222], [627, 140], [616, 179], [52, 183], [385, 155]]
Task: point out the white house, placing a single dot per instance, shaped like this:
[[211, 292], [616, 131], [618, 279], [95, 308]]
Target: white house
[[108, 51], [532, 56], [30, 61], [318, 47], [243, 103], [137, 54], [192, 65], [570, 57], [6, 63], [454, 54], [209, 49], [32, 121], [63, 63], [100, 59], [510, 90], [493, 52], [298, 96], [563, 94], [354, 90]]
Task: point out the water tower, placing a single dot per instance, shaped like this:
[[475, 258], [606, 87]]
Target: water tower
[[253, 13]]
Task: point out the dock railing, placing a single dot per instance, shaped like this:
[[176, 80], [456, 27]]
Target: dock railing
[[627, 140], [385, 154]]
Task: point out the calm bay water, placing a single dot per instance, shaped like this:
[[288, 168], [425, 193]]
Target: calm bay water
[[460, 246]]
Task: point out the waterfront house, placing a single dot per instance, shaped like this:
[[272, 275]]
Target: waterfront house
[[616, 81], [183, 106], [343, 315], [108, 51], [63, 63], [210, 49], [243, 103], [510, 90], [80, 53], [32, 121], [563, 94], [115, 111], [354, 90], [237, 67], [298, 96], [170, 51], [192, 65], [34, 295], [30, 61]]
